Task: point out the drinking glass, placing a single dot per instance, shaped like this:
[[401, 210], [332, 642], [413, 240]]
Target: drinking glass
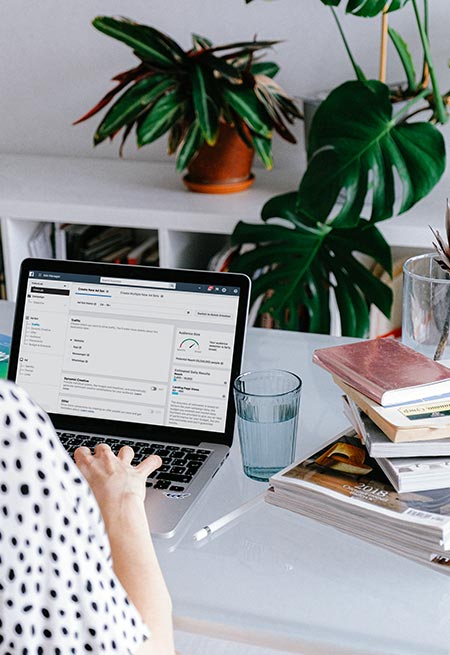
[[267, 406]]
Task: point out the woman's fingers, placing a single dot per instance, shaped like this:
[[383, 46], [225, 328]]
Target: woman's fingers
[[149, 464], [103, 449], [82, 456], [126, 454]]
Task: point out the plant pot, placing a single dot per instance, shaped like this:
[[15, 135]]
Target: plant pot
[[426, 306], [222, 168]]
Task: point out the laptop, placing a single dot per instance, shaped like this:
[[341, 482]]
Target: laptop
[[135, 355]]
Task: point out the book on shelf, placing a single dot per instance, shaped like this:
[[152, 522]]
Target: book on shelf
[[407, 472], [142, 251], [59, 238], [118, 256], [342, 486], [385, 370], [40, 243], [425, 420], [105, 243], [77, 235]]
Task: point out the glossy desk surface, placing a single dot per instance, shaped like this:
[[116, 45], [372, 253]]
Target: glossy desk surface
[[277, 579], [281, 581]]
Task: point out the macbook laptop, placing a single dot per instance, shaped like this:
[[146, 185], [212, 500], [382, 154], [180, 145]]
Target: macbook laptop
[[135, 355]]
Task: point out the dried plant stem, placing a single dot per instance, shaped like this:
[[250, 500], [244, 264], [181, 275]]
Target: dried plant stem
[[383, 45], [443, 341], [440, 349]]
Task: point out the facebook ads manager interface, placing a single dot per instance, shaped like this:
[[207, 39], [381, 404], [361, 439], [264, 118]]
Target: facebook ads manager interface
[[139, 351]]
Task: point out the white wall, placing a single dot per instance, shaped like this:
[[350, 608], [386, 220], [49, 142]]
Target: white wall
[[55, 65]]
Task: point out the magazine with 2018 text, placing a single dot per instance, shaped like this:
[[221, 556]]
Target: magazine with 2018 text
[[342, 477]]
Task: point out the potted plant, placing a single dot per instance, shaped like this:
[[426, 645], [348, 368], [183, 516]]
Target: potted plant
[[200, 97], [366, 162]]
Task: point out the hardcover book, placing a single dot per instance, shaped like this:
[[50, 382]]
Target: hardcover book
[[415, 421], [385, 370], [379, 445]]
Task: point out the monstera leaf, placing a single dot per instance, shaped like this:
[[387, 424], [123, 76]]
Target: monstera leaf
[[294, 266], [355, 141], [367, 7]]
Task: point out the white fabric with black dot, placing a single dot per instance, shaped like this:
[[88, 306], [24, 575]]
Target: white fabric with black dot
[[58, 592]]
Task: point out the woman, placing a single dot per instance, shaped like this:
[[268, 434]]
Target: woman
[[78, 571]]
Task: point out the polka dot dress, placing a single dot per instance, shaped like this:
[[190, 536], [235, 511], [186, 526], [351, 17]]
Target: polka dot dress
[[58, 592]]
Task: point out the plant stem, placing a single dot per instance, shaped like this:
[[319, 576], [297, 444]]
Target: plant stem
[[425, 70], [358, 72], [411, 103], [440, 108], [383, 45], [440, 349]]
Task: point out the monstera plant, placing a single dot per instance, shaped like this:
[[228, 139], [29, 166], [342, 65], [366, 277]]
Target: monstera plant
[[367, 161]]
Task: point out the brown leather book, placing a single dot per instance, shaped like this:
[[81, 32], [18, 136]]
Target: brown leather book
[[385, 370]]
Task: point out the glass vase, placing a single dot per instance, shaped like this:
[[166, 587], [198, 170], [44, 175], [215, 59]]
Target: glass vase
[[426, 306]]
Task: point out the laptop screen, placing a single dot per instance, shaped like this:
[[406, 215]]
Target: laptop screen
[[142, 351]]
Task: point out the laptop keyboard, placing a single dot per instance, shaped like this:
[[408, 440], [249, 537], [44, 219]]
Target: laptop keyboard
[[179, 463]]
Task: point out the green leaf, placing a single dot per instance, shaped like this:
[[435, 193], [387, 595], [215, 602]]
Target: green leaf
[[246, 104], [166, 111], [296, 264], [176, 135], [268, 68], [317, 299], [148, 43], [367, 8], [354, 138], [304, 238], [405, 57], [206, 107], [191, 144], [364, 238], [225, 69], [372, 287], [200, 42], [131, 104], [263, 148]]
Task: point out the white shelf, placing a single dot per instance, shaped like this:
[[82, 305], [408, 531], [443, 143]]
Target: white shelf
[[152, 196], [128, 193]]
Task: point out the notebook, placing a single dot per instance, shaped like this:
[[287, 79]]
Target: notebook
[[135, 355]]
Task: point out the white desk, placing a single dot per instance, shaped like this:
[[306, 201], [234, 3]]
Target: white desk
[[280, 581]]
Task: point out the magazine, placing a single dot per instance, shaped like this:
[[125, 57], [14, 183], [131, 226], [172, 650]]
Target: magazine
[[341, 485]]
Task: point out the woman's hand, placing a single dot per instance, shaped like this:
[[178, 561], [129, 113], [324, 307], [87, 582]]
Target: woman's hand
[[119, 489], [112, 478]]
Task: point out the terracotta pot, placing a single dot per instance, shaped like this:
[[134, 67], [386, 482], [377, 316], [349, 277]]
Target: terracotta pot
[[222, 168]]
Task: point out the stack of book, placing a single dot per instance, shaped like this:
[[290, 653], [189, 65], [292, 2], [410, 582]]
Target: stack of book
[[106, 244], [387, 478]]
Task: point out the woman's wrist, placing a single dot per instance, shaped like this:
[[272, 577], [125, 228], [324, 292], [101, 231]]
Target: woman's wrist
[[124, 514]]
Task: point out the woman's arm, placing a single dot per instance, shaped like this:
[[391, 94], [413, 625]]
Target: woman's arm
[[119, 489]]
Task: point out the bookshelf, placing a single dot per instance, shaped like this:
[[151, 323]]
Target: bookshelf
[[150, 196]]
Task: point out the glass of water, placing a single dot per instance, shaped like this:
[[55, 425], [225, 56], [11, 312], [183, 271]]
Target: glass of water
[[267, 405]]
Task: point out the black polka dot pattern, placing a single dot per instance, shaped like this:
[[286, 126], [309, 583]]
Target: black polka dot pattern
[[58, 592]]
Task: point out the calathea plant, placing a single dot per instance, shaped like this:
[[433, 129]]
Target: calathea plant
[[188, 93], [367, 161]]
